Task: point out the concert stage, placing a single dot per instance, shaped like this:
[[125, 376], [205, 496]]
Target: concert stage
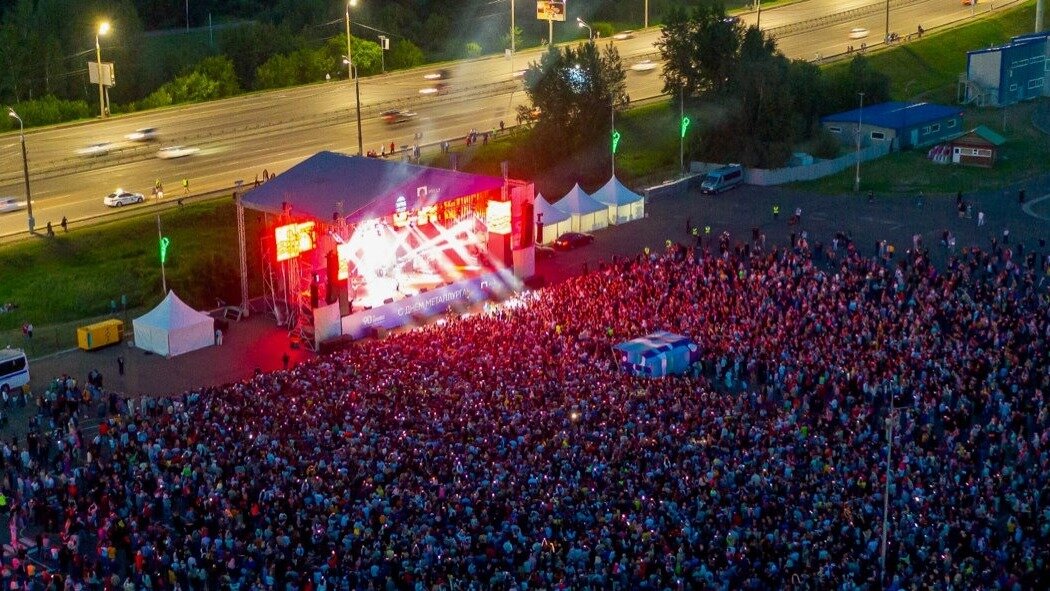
[[356, 245]]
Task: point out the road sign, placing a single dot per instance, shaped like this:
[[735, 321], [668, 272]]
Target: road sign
[[550, 11], [108, 78]]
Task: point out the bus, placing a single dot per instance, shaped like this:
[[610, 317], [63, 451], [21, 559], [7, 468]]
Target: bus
[[14, 369]]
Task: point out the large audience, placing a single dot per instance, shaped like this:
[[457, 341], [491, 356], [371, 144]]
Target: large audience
[[507, 450]]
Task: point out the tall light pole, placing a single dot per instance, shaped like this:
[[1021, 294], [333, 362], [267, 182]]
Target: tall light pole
[[758, 19], [353, 76], [103, 28], [646, 22], [683, 123], [860, 130], [887, 37], [25, 168], [890, 420], [357, 101], [512, 30], [581, 24]]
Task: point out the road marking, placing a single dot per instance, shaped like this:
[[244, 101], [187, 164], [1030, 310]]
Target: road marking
[[1027, 207]]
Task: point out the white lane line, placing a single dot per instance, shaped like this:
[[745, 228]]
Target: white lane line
[[1027, 207]]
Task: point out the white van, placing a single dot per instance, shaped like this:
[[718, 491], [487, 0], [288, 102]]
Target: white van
[[14, 369], [722, 179]]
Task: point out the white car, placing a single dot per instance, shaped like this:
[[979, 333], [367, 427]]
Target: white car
[[176, 152], [9, 204], [120, 198], [624, 35], [146, 134], [99, 149], [644, 66], [858, 33]]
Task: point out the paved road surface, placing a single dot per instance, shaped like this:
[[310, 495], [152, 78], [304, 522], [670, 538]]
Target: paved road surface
[[241, 137]]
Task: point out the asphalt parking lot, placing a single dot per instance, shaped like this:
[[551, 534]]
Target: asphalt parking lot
[[894, 219]]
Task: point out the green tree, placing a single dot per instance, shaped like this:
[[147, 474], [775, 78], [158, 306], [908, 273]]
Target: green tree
[[219, 69], [473, 49], [368, 55], [700, 49], [404, 54], [861, 76], [574, 89]]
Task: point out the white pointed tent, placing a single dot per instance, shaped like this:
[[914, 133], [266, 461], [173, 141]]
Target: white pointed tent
[[555, 221], [587, 214], [173, 328], [624, 204]]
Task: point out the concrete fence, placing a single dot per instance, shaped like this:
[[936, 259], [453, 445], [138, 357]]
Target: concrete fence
[[778, 176]]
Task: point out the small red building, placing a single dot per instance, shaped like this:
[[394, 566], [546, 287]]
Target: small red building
[[977, 147]]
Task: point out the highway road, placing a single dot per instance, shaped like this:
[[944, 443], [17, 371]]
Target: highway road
[[241, 137]]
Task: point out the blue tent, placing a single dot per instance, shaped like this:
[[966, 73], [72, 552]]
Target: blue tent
[[657, 355]]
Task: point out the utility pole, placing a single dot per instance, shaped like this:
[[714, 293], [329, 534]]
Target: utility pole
[[758, 19], [512, 28], [860, 129]]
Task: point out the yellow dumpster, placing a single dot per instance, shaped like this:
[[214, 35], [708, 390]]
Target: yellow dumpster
[[100, 334]]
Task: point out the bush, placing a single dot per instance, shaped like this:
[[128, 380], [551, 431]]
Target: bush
[[48, 110], [473, 49], [603, 29], [404, 54]]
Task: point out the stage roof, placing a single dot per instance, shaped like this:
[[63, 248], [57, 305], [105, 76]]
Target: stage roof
[[367, 187]]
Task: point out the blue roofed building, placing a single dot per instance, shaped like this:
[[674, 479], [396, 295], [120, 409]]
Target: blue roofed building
[[1007, 74], [901, 125]]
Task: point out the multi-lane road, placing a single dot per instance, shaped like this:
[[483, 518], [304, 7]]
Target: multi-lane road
[[241, 137]]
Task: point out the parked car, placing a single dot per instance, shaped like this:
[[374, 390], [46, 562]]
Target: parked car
[[146, 134], [176, 152], [99, 149], [120, 198], [9, 204], [571, 240], [722, 179]]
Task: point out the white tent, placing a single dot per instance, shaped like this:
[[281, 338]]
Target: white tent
[[173, 328], [555, 221], [587, 214], [624, 204]]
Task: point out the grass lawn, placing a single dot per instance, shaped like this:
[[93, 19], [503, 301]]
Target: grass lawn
[[930, 68], [75, 276], [1025, 153]]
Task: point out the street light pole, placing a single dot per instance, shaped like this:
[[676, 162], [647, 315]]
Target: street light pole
[[887, 37], [860, 129], [511, 29], [103, 28], [646, 23], [25, 169], [580, 23], [758, 19], [886, 493], [353, 76]]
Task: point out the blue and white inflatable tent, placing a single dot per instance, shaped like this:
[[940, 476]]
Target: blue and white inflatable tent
[[657, 355]]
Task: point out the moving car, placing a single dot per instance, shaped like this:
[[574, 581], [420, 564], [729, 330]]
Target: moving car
[[571, 240], [176, 152], [443, 74], [99, 149], [858, 33], [120, 198], [9, 204], [644, 66], [624, 35], [146, 134], [396, 116]]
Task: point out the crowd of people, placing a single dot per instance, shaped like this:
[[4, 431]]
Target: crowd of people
[[507, 450]]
